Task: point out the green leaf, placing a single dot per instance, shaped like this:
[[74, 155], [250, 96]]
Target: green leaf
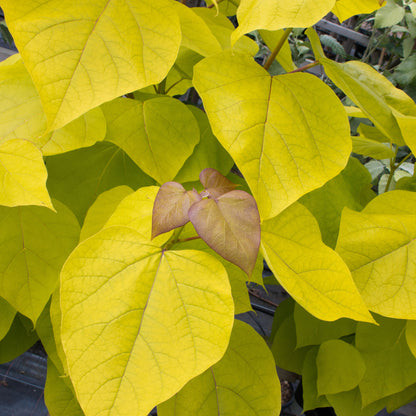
[[35, 243], [208, 153], [367, 147], [312, 331], [114, 48], [7, 313], [372, 92], [377, 245], [335, 358], [196, 34], [21, 112], [82, 132], [171, 207], [284, 57], [20, 337], [155, 336], [76, 178], [279, 14], [243, 382], [392, 359], [351, 188], [281, 140], [22, 175], [391, 14], [102, 209], [59, 398], [159, 148], [226, 7], [313, 274], [411, 336], [344, 9], [311, 400], [230, 225]]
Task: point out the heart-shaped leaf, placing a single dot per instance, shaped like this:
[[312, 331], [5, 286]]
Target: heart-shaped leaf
[[230, 225], [216, 183], [171, 207]]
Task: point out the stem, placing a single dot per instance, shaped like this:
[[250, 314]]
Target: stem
[[174, 84], [305, 67], [161, 87], [262, 299], [213, 4], [279, 46], [392, 170], [174, 239]]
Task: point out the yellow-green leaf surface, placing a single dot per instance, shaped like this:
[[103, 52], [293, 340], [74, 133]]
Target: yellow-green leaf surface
[[351, 188], [243, 382], [21, 112], [368, 147], [196, 34], [115, 47], [35, 243], [82, 132], [407, 126], [337, 357], [160, 327], [158, 134], [313, 274], [284, 57], [372, 92], [344, 9], [59, 398], [222, 28], [390, 356], [378, 244], [279, 14], [136, 211], [227, 7], [287, 139], [22, 175], [411, 336], [102, 209], [208, 153], [77, 178], [7, 313]]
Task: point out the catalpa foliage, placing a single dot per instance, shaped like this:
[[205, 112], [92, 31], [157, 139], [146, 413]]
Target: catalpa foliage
[[127, 238]]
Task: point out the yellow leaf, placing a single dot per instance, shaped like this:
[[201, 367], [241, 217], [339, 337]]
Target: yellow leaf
[[284, 57], [344, 9], [288, 134], [378, 244], [22, 175], [279, 14], [167, 318], [115, 47], [313, 274]]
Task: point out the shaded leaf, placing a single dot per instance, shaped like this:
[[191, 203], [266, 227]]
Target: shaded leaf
[[367, 147], [337, 357], [77, 178], [275, 130], [230, 225], [312, 273], [243, 382], [22, 175], [171, 207], [35, 243], [377, 245], [411, 336], [7, 313], [391, 14], [159, 148], [160, 326], [115, 48]]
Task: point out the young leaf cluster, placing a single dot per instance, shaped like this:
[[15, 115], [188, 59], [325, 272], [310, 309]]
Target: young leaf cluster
[[131, 272]]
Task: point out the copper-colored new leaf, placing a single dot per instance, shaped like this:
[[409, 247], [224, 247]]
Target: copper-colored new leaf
[[171, 207], [230, 225], [216, 183]]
